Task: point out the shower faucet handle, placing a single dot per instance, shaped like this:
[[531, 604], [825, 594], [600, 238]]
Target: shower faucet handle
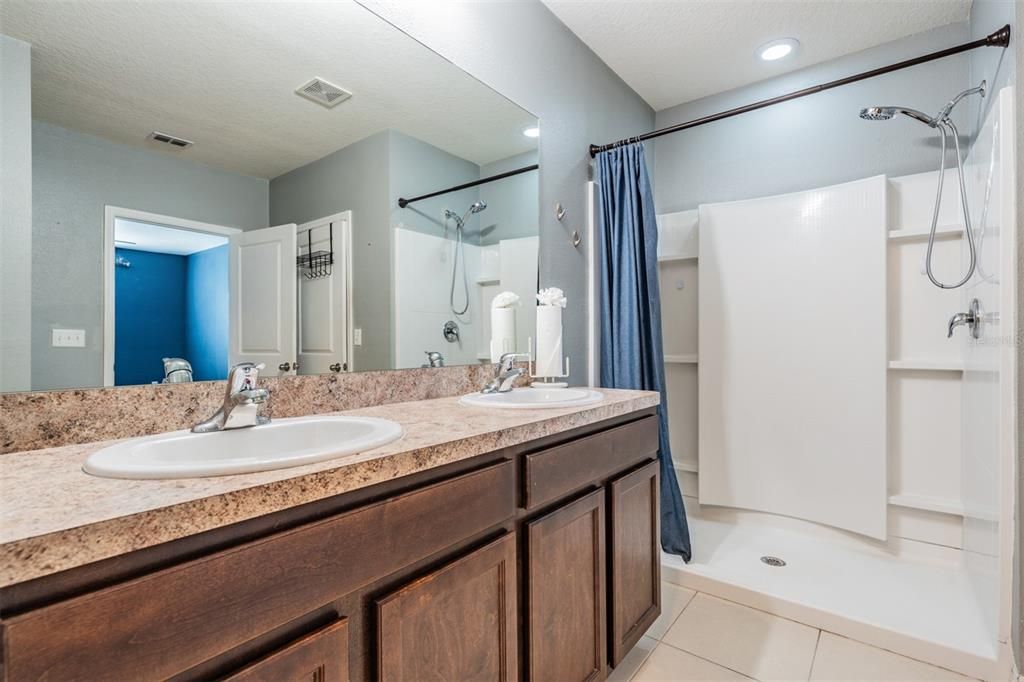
[[972, 318]]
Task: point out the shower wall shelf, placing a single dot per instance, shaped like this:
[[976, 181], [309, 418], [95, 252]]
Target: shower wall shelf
[[942, 231], [927, 365], [688, 359], [932, 504], [677, 257]]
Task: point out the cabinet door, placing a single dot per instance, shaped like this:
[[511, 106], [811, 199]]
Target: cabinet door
[[457, 623], [320, 656], [634, 557], [566, 592]]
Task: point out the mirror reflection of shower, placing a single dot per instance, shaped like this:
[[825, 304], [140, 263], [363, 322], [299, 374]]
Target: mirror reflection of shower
[[459, 255], [944, 124]]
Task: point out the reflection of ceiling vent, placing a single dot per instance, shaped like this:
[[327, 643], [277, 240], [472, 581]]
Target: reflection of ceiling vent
[[323, 93], [170, 139]]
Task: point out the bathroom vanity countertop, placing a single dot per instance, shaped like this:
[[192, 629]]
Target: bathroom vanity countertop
[[54, 516]]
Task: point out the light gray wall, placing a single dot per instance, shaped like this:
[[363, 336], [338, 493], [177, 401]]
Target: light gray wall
[[521, 50], [351, 179], [74, 176], [15, 215], [813, 141], [415, 168], [512, 202], [996, 66]]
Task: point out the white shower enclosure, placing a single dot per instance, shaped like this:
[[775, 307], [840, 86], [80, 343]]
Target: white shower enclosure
[[818, 411]]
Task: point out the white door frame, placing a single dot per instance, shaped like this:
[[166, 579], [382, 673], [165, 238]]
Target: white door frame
[[346, 246], [110, 214]]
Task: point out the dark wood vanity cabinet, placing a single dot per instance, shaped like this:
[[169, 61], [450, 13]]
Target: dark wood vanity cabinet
[[536, 562], [320, 656], [634, 545], [456, 623], [565, 597]]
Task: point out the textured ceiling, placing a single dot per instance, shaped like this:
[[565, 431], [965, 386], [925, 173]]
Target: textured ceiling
[[223, 75], [675, 51]]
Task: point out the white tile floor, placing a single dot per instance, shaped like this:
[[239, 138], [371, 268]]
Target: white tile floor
[[700, 637]]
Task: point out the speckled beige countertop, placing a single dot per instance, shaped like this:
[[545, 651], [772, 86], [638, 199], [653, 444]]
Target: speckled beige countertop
[[54, 516]]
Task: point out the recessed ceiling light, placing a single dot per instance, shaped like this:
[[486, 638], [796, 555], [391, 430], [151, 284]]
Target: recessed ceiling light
[[777, 49], [531, 131]]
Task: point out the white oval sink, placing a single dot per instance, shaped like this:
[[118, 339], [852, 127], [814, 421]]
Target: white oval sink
[[280, 444], [533, 398]]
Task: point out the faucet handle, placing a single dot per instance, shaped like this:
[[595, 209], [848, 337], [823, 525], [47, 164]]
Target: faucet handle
[[972, 318], [505, 363], [243, 376]]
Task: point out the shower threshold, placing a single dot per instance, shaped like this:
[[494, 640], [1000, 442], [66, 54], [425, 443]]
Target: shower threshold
[[924, 605]]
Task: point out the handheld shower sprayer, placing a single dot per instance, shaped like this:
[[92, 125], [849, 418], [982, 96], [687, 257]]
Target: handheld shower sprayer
[[459, 251], [944, 124]]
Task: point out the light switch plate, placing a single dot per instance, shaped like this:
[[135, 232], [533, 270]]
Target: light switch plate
[[357, 337], [67, 338]]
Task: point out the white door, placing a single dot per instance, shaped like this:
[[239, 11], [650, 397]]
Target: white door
[[325, 307], [262, 299]]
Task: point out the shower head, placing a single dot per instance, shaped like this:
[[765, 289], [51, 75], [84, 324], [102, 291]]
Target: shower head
[[475, 207], [452, 215], [886, 113], [941, 118], [877, 113]]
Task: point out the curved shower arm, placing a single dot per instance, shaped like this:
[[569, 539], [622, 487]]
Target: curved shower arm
[[943, 115]]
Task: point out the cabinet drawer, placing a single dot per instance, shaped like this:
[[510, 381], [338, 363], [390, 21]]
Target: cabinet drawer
[[457, 623], [320, 656], [554, 472], [169, 621]]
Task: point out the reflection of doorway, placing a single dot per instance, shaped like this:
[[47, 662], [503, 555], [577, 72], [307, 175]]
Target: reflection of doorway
[[325, 302], [165, 284]]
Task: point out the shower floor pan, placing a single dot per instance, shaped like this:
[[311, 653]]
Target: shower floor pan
[[922, 604]]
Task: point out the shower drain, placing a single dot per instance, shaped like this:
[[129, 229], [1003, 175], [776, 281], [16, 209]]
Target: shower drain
[[772, 561]]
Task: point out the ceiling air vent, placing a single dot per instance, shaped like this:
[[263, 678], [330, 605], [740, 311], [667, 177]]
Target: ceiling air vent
[[323, 93], [178, 142]]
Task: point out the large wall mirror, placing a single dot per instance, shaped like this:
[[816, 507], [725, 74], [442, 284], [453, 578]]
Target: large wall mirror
[[219, 182]]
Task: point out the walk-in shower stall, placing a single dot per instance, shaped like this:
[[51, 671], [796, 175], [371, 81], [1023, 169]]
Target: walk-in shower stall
[[821, 415], [839, 281]]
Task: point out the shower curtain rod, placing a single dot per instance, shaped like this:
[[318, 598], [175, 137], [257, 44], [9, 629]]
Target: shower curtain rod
[[402, 203], [1000, 38]]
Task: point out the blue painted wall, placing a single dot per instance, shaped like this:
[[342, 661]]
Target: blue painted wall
[[206, 314], [149, 310]]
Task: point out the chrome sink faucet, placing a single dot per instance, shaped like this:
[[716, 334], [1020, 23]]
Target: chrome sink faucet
[[241, 401], [505, 374]]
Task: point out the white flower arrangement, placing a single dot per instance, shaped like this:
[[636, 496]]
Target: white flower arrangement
[[553, 297], [505, 299]]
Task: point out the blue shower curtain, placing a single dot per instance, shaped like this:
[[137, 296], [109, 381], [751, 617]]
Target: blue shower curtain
[[630, 300]]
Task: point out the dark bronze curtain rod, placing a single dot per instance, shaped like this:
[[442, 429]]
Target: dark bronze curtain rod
[[402, 203], [1000, 38]]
